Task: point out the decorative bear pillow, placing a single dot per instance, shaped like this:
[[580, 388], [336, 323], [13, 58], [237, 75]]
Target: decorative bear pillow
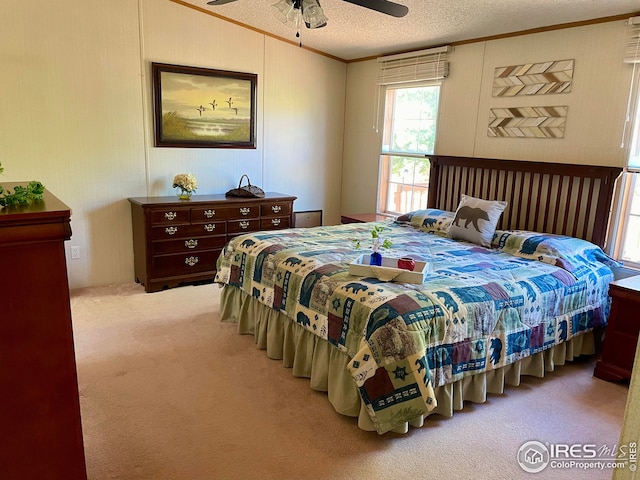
[[476, 220]]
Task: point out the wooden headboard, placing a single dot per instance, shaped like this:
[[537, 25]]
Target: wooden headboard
[[558, 198]]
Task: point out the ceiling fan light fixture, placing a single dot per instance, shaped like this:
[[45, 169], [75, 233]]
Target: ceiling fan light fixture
[[312, 14], [294, 12], [285, 11]]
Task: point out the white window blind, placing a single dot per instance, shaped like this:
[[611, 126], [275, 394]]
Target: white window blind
[[632, 52], [421, 66], [631, 131]]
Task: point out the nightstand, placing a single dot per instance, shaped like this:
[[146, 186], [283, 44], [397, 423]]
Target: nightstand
[[364, 218], [621, 334]]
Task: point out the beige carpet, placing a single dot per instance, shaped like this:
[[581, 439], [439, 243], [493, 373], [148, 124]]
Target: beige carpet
[[169, 392]]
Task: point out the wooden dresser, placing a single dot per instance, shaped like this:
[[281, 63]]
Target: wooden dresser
[[41, 431], [621, 336], [179, 241]]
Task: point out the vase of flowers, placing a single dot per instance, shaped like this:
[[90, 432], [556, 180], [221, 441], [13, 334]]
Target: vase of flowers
[[186, 183], [376, 256]]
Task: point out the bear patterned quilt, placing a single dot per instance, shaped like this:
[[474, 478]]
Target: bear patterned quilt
[[479, 308]]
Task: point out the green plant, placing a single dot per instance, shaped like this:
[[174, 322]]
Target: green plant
[[21, 195], [375, 234]]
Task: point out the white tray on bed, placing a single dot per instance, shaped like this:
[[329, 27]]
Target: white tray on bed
[[389, 271]]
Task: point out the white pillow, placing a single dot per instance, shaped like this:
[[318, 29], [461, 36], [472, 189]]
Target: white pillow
[[476, 220]]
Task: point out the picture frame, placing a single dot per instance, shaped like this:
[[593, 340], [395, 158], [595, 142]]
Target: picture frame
[[203, 108]]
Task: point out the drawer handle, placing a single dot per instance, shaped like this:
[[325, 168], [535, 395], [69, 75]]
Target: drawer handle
[[244, 225], [245, 210], [170, 215], [191, 261], [171, 230], [275, 221], [276, 208], [209, 213], [191, 243], [210, 227]]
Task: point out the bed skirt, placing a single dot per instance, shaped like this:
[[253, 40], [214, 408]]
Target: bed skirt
[[311, 357]]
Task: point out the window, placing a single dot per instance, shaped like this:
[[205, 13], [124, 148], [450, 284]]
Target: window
[[629, 249], [410, 90], [627, 232], [409, 133], [628, 238]]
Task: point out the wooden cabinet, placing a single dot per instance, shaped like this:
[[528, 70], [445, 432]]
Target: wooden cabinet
[[179, 241], [621, 336], [41, 431]]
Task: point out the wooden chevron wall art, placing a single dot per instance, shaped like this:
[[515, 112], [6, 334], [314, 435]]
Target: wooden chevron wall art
[[533, 79], [528, 122]]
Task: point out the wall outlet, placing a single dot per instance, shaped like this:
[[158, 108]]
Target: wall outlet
[[75, 252]]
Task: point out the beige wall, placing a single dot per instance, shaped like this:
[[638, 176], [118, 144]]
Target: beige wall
[[597, 101], [71, 117], [76, 114], [361, 140], [597, 105]]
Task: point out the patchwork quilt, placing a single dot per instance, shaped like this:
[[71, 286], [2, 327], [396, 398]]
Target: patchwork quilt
[[479, 308]]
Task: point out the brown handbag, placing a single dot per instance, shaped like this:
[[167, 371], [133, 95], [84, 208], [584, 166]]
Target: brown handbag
[[247, 191]]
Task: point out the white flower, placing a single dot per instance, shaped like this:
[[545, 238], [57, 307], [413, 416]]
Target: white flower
[[186, 182]]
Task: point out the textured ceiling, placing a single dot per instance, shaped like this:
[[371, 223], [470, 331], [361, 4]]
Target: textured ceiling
[[354, 32]]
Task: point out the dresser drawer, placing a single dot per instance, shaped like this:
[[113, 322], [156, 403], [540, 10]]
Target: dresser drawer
[[166, 232], [225, 213], [184, 263], [209, 228], [242, 226], [274, 223], [275, 209], [185, 245], [213, 214], [246, 211], [172, 216]]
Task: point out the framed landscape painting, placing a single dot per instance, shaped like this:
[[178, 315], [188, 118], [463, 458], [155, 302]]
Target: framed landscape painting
[[201, 107]]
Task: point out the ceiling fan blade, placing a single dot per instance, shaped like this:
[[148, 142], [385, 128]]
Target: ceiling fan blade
[[219, 2], [382, 6]]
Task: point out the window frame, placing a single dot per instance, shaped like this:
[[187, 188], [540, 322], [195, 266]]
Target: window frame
[[630, 178], [387, 119], [628, 181]]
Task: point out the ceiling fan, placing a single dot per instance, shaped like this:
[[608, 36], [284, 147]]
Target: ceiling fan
[[383, 6]]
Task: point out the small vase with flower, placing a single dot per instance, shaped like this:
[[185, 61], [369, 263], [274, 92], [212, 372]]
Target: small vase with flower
[[186, 183], [376, 257]]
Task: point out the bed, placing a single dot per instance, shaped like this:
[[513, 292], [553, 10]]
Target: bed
[[523, 298]]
